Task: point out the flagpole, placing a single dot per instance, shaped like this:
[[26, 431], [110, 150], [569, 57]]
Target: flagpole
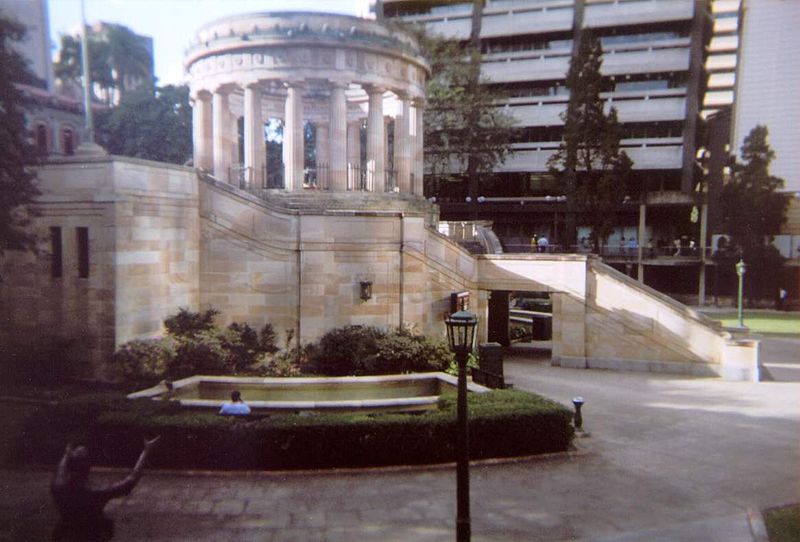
[[87, 82]]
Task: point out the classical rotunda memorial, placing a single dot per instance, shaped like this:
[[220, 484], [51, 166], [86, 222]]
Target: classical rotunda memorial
[[330, 75], [304, 209]]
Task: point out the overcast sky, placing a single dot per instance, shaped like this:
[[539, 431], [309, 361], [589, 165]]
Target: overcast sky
[[172, 23]]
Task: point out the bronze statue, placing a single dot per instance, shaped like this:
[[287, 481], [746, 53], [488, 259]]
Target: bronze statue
[[80, 505]]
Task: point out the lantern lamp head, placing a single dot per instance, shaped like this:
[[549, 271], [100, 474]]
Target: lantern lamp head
[[365, 290], [461, 331]]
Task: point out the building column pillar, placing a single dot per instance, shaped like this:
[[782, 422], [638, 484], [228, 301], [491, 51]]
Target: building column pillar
[[701, 286], [640, 244], [202, 130], [354, 155], [402, 147], [338, 138], [254, 144], [388, 182], [417, 153], [293, 144], [376, 142], [221, 135], [323, 156]]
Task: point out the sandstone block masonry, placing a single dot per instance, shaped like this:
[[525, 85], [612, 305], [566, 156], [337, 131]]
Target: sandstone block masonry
[[157, 238]]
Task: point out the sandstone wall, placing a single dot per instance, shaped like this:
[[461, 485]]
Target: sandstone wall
[[302, 270], [143, 255]]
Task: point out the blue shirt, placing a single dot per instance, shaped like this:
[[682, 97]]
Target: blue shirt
[[234, 409]]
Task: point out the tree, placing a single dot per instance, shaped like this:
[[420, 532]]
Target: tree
[[467, 134], [68, 68], [128, 58], [17, 188], [150, 126], [594, 170], [118, 59], [753, 213]]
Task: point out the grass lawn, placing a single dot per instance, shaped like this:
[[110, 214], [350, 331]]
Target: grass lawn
[[782, 323], [783, 524]]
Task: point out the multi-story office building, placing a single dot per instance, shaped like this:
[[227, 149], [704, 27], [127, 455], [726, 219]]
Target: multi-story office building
[[654, 54], [767, 79], [722, 54]]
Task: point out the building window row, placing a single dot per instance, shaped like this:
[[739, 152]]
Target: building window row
[[629, 130], [619, 83], [526, 42], [65, 143], [57, 252]]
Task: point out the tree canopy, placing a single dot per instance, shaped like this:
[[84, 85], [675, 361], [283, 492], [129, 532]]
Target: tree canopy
[[467, 133], [593, 168], [17, 187], [118, 59], [753, 212], [154, 126]]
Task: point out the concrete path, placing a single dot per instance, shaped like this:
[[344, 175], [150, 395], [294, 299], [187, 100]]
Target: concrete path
[[668, 458]]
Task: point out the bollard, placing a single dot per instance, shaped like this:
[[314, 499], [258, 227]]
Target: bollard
[[578, 402]]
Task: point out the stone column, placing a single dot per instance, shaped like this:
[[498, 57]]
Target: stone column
[[236, 162], [293, 144], [221, 135], [323, 158], [642, 241], [338, 139], [417, 149], [354, 155], [387, 181], [254, 144], [376, 141], [402, 147], [701, 279], [201, 131]]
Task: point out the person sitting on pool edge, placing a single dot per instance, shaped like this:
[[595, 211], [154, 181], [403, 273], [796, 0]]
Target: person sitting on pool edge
[[236, 407]]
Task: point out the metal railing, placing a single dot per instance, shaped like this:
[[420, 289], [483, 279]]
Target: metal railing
[[314, 178]]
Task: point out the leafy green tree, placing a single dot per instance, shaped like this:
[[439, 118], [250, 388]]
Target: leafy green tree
[[130, 61], [593, 169], [151, 126], [467, 134], [118, 59], [68, 68], [753, 212], [17, 180]]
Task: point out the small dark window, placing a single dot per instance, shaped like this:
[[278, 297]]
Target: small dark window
[[68, 142], [56, 253], [41, 139], [83, 252]]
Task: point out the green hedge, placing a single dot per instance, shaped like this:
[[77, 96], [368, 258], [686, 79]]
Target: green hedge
[[503, 423]]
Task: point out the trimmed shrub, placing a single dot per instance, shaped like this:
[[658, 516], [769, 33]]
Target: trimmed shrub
[[343, 351], [188, 323], [267, 340], [359, 350], [503, 423], [196, 346], [144, 361], [203, 353]]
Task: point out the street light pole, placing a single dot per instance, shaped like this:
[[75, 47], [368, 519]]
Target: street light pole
[[741, 268], [460, 334], [463, 522]]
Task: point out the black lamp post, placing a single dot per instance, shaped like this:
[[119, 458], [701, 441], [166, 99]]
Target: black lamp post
[[741, 269], [461, 334]]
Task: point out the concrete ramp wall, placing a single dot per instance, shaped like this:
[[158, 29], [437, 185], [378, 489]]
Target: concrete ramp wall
[[606, 320]]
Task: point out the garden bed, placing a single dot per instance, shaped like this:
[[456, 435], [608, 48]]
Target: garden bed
[[503, 423]]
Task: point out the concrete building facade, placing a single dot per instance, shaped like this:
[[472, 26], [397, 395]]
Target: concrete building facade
[[653, 74]]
